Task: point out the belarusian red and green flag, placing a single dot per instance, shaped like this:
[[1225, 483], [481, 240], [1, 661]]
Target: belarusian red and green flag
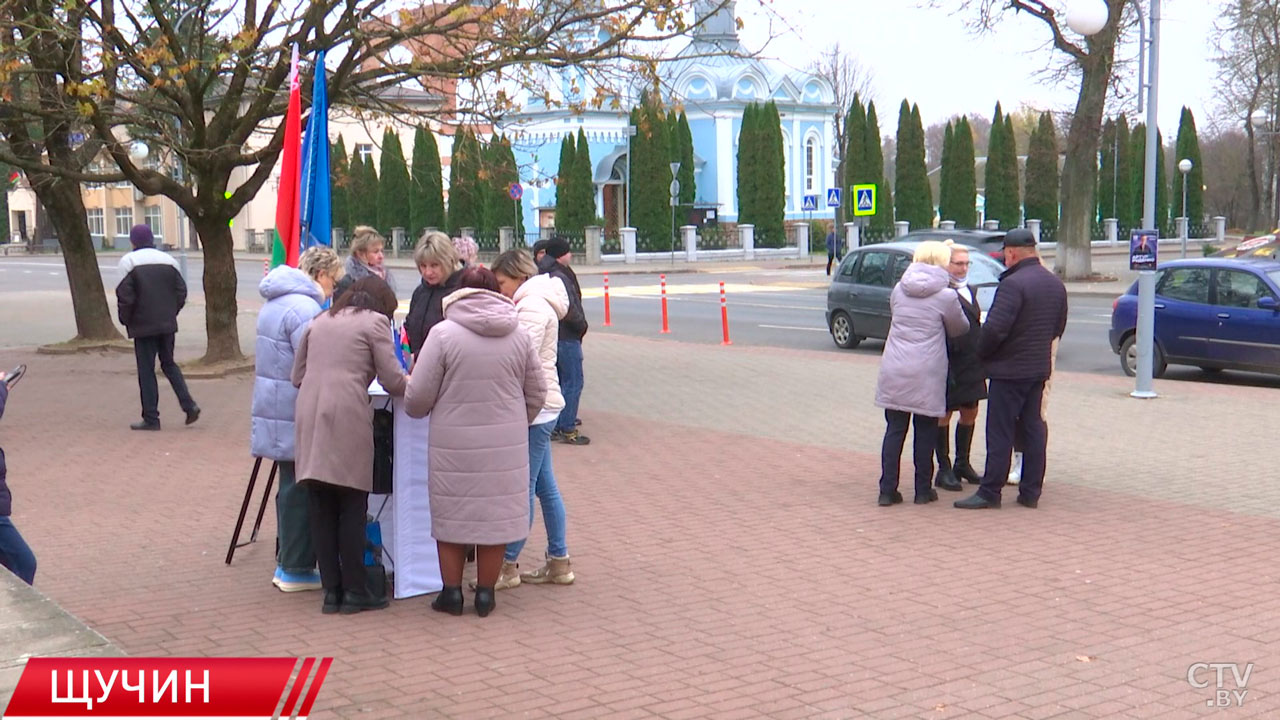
[[285, 250]]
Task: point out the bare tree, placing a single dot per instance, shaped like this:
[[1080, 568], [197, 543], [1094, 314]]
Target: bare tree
[[1246, 40], [1094, 61], [40, 142], [204, 84], [849, 77]]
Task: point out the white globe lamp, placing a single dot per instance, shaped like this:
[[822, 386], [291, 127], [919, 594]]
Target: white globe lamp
[[139, 150], [1087, 17]]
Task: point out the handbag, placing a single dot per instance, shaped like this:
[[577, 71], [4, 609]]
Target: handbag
[[383, 451]]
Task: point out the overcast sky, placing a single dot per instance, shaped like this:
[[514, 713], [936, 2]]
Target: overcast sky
[[930, 57]]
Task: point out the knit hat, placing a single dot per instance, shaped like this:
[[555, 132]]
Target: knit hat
[[140, 236], [557, 247]]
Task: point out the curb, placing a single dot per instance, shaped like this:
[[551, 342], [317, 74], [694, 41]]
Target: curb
[[194, 371], [76, 348]]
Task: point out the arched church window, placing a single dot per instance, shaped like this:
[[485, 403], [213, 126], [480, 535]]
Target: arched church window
[[810, 164]]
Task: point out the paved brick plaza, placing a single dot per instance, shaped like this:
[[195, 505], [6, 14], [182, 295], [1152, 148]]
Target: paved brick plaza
[[732, 562]]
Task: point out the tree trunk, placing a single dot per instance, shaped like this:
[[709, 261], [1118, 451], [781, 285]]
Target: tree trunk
[[1074, 260], [65, 208], [219, 290]]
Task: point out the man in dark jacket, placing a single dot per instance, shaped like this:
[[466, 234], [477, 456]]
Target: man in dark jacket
[[569, 350], [149, 299], [15, 554], [1029, 312]]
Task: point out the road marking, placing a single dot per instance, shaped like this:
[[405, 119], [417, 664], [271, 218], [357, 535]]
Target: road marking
[[794, 327]]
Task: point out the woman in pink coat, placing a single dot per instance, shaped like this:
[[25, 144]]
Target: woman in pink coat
[[913, 370], [479, 378]]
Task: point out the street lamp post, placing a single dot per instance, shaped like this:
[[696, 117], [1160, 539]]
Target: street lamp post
[[631, 132], [1088, 17], [1185, 166], [675, 200]]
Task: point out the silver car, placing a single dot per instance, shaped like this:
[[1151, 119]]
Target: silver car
[[858, 299]]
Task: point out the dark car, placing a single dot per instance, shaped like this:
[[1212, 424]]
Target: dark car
[[1214, 313], [858, 298], [988, 242]]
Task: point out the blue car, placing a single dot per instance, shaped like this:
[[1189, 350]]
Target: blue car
[[1214, 313]]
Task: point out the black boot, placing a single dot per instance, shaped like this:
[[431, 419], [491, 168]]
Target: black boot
[[962, 468], [945, 479], [485, 601], [332, 601], [449, 600], [354, 602]]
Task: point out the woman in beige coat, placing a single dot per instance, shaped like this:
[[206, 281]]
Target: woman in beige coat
[[541, 303], [341, 352], [479, 378]]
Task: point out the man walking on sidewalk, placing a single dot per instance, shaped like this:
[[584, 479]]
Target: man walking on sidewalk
[[569, 349], [1029, 312], [149, 299]]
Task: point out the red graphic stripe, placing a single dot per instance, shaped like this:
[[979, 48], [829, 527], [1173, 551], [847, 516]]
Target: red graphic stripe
[[315, 686], [287, 710], [284, 689]]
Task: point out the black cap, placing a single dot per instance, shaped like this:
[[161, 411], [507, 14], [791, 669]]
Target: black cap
[[557, 247], [1019, 237]]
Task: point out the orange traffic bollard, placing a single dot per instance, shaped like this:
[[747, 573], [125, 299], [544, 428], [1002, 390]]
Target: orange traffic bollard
[[606, 301], [724, 317], [666, 328]]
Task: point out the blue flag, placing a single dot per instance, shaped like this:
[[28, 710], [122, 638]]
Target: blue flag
[[317, 209]]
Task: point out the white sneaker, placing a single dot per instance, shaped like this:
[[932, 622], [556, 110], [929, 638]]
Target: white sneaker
[[1015, 470], [296, 582]]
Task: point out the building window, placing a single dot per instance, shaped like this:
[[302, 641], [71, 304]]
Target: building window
[[97, 222], [810, 164], [151, 216], [124, 221], [365, 151]]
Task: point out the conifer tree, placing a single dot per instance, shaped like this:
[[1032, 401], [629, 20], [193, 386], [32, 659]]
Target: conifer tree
[[1042, 175], [911, 184], [340, 186], [1187, 146], [393, 191], [426, 204], [964, 195], [882, 222]]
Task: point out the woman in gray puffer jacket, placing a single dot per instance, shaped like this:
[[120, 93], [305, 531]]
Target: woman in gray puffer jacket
[[913, 370], [294, 297]]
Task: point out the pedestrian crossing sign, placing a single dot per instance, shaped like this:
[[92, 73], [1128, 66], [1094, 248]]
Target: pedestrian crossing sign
[[864, 200], [833, 197], [810, 203]]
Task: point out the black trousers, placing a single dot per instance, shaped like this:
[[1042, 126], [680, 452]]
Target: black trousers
[[923, 442], [1014, 409], [337, 517], [145, 350]]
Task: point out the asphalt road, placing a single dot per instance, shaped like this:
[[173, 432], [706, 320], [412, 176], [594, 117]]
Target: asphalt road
[[771, 308]]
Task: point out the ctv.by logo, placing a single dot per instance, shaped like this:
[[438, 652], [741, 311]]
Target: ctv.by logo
[[1216, 675]]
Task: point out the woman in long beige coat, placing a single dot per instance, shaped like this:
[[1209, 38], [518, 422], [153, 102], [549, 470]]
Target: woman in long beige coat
[[479, 378], [341, 352]]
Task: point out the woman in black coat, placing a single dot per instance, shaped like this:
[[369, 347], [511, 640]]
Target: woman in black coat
[[966, 382], [438, 263]]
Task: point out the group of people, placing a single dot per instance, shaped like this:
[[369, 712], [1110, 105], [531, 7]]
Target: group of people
[[487, 362], [938, 359]]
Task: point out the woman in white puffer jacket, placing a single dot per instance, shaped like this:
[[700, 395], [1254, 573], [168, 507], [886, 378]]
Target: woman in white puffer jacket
[[541, 302]]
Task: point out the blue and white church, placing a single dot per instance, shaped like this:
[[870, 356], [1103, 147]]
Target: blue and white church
[[714, 82]]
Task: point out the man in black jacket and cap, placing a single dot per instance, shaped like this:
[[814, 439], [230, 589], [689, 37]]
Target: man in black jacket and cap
[[1029, 312], [149, 299], [569, 349]]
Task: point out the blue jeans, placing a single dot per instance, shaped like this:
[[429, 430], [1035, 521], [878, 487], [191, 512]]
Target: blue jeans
[[14, 552], [569, 368], [542, 484]]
